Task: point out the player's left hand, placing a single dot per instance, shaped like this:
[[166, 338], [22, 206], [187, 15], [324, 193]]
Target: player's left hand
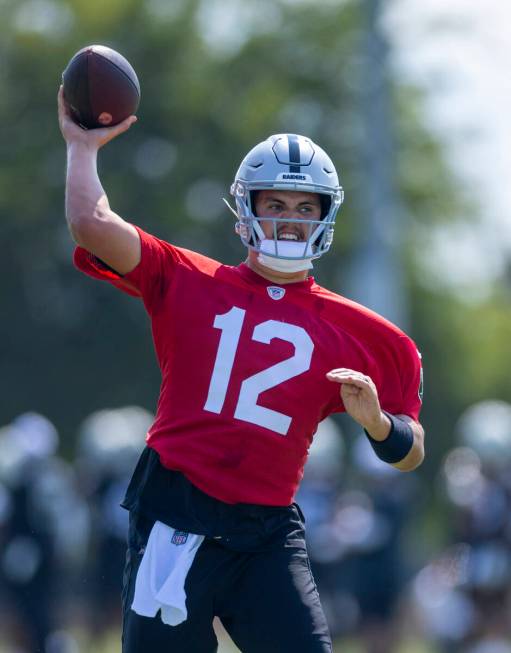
[[360, 399]]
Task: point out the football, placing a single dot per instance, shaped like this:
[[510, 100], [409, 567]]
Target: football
[[100, 87]]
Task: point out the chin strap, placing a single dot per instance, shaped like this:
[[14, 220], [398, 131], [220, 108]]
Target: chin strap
[[285, 248], [284, 265]]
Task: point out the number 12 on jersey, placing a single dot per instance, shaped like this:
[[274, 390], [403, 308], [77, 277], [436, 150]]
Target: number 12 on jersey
[[247, 409]]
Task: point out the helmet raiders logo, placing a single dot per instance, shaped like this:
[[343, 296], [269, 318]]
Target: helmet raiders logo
[[275, 292], [287, 176]]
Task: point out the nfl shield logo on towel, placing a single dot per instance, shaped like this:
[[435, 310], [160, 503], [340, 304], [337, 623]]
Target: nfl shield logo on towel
[[275, 292], [179, 537]]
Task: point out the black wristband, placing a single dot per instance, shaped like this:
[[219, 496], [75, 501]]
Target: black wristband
[[398, 442]]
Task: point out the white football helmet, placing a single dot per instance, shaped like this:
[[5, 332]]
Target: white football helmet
[[287, 162]]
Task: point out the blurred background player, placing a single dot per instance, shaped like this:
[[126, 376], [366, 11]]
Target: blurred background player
[[109, 444], [44, 528], [462, 598], [356, 508]]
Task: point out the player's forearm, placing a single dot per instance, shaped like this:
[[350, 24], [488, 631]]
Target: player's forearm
[[397, 440], [416, 454], [86, 200]]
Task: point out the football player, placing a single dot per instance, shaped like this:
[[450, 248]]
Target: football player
[[252, 358]]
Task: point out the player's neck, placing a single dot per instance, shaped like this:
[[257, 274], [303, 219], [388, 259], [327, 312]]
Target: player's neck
[[273, 275]]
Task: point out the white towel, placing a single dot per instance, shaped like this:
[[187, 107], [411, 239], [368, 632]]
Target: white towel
[[160, 582]]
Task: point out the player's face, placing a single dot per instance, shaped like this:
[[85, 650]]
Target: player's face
[[283, 204]]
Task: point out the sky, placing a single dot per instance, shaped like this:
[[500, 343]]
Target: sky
[[459, 53]]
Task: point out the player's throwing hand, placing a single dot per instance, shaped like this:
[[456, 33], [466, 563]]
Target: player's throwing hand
[[92, 138]]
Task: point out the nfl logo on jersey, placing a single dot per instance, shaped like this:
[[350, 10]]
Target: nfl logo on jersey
[[179, 537], [275, 292]]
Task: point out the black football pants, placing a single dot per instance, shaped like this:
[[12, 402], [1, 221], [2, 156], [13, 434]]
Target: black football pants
[[267, 601]]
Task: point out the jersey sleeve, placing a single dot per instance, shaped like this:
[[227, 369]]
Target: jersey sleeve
[[148, 280], [411, 378]]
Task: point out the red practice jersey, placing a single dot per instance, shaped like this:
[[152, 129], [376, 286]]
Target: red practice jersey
[[243, 363]]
